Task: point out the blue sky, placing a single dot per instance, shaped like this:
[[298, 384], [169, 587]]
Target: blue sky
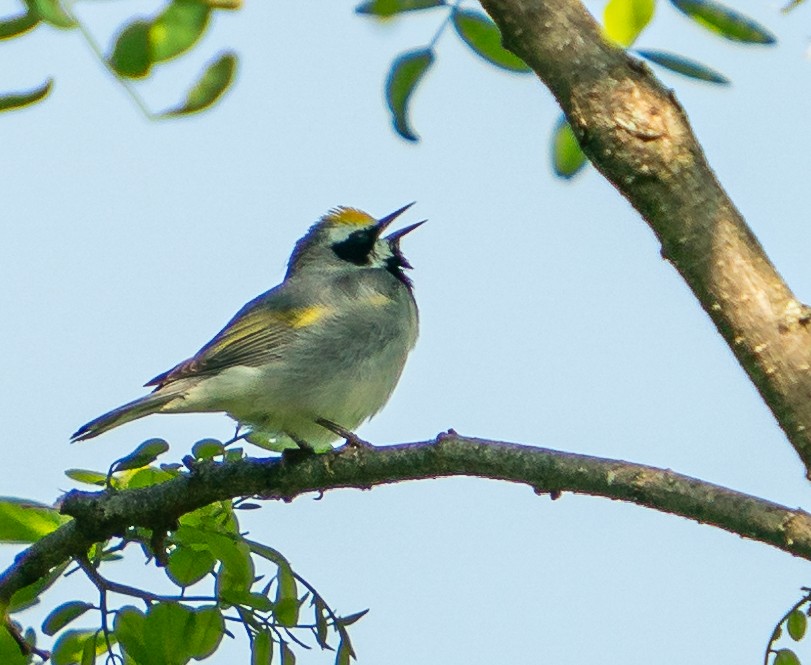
[[548, 318]]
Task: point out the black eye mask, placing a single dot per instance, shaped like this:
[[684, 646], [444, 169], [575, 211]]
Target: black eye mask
[[357, 247]]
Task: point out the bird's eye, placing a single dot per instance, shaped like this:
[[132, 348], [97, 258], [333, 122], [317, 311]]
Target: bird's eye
[[357, 247]]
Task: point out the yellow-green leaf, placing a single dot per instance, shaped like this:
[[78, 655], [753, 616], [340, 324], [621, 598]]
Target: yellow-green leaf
[[387, 8], [51, 12], [18, 25], [20, 99], [213, 83], [63, 615], [567, 157], [786, 657], [484, 38], [797, 624], [725, 21], [130, 55], [684, 66], [406, 72], [177, 28], [262, 648], [623, 20], [24, 521]]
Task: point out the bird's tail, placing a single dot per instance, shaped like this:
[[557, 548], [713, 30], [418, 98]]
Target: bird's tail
[[138, 408]]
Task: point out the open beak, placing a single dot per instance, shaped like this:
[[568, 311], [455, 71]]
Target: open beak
[[383, 223], [397, 235]]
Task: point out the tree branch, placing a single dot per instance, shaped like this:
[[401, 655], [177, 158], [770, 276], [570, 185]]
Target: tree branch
[[637, 135], [99, 516]]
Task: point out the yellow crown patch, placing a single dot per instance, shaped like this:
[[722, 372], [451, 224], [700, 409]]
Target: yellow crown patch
[[349, 216]]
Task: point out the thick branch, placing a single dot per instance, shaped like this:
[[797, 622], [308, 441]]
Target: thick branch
[[637, 135], [99, 516]]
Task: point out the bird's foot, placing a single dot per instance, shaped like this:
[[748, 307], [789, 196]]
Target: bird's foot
[[350, 438]]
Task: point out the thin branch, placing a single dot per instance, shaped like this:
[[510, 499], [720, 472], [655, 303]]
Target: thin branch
[[638, 136], [99, 516]]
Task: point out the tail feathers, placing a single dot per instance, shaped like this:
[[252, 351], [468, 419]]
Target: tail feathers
[[138, 408]]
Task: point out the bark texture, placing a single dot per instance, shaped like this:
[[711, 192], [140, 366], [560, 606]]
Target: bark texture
[[99, 516], [637, 135]]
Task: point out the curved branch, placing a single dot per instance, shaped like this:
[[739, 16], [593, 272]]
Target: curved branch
[[99, 516], [639, 138]]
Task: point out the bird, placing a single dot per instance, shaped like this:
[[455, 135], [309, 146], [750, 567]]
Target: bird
[[311, 358]]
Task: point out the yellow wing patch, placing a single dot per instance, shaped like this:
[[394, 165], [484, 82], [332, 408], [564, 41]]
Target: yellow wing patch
[[349, 216], [306, 316]]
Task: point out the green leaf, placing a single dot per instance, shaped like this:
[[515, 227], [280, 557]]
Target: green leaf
[[213, 83], [207, 448], [142, 456], [70, 646], [684, 66], [18, 25], [287, 604], [387, 8], [9, 651], [344, 654], [724, 21], [287, 656], [63, 615], [623, 20], [19, 99], [262, 648], [29, 595], [177, 28], [483, 36], [188, 565], [786, 657], [204, 632], [90, 649], [165, 632], [321, 625], [131, 54], [147, 477], [51, 12], [406, 72], [87, 476], [797, 624], [567, 156], [129, 630], [23, 521]]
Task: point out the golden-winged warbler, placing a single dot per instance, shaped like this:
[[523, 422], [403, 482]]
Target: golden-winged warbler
[[328, 343]]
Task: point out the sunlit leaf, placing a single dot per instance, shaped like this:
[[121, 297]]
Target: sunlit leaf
[[87, 476], [786, 657], [18, 25], [143, 455], [287, 605], [10, 651], [482, 35], [177, 28], [130, 57], [567, 157], [386, 8], [51, 11], [406, 72], [23, 521], [725, 21], [684, 66], [63, 615], [147, 477], [70, 646], [262, 648], [204, 632], [214, 81], [165, 632], [129, 630], [207, 448], [20, 99], [797, 624], [188, 565], [623, 20]]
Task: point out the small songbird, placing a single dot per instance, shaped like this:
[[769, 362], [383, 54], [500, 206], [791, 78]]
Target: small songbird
[[327, 344]]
